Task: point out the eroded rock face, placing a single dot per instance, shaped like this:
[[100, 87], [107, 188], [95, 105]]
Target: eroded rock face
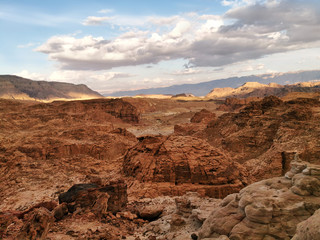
[[47, 147], [265, 135], [36, 225], [118, 108], [112, 197], [204, 116], [183, 160], [309, 229], [197, 123], [270, 208], [232, 103]]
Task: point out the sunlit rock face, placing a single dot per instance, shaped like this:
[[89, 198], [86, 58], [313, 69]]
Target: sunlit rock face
[[269, 208]]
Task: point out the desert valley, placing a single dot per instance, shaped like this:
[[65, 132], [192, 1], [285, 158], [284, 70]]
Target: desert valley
[[239, 163], [160, 120]]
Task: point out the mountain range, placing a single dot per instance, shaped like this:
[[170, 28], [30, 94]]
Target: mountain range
[[14, 87], [202, 89]]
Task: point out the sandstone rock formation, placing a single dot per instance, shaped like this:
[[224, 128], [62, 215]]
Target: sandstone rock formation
[[111, 197], [204, 116], [270, 209], [184, 160], [231, 103], [47, 148], [309, 229], [180, 219], [265, 135]]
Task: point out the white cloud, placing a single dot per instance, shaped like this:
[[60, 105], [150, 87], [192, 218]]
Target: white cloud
[[104, 11], [27, 45], [237, 3], [90, 78], [260, 66], [30, 75], [187, 71], [182, 27], [84, 76], [164, 20], [92, 20], [251, 67], [251, 31]]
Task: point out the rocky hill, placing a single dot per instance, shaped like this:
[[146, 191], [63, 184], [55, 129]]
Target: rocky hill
[[255, 89], [14, 87]]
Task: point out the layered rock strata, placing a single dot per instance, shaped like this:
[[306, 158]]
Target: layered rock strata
[[186, 161]]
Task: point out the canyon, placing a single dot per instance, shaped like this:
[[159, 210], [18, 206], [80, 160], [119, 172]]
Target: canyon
[[243, 167]]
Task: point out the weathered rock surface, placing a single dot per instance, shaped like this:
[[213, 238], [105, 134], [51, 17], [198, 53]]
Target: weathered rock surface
[[270, 209], [197, 123], [265, 135], [309, 229], [111, 197], [47, 148], [150, 212], [184, 160], [180, 219], [36, 225], [204, 116], [231, 103]]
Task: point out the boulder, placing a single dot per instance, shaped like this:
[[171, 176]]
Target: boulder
[[150, 212], [309, 229], [267, 209]]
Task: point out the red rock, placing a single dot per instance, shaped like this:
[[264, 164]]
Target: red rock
[[180, 160], [204, 116], [150, 212], [36, 225], [60, 211], [99, 199]]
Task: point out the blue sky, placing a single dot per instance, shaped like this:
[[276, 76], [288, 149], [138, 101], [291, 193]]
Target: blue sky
[[122, 45]]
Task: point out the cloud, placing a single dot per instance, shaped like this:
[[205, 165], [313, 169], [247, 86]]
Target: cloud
[[253, 67], [187, 71], [76, 77], [250, 30], [164, 20], [28, 45], [92, 20], [104, 11], [30, 75], [238, 3], [85, 76]]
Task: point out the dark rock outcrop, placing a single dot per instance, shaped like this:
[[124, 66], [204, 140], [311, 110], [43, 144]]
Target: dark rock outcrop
[[112, 197]]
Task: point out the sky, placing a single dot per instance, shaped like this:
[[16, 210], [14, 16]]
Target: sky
[[127, 45]]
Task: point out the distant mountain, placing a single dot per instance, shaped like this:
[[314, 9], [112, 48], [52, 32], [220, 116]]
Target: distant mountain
[[14, 87], [202, 89], [258, 90]]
